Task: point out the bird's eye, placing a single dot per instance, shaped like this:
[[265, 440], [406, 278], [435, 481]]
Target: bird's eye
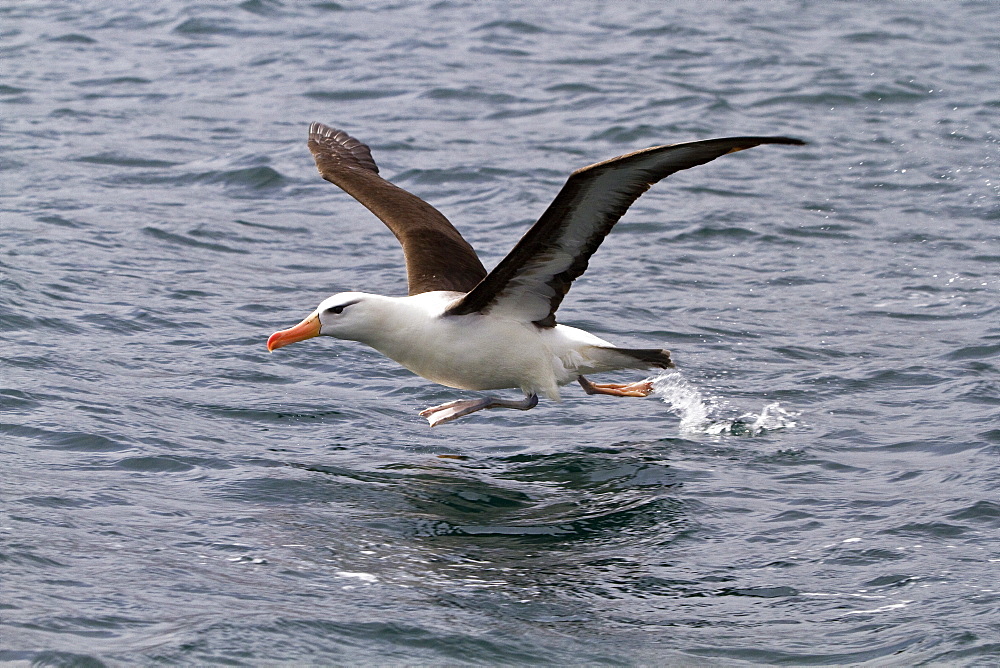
[[335, 309]]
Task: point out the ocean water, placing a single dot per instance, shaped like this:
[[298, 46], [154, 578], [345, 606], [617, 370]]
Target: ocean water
[[817, 482]]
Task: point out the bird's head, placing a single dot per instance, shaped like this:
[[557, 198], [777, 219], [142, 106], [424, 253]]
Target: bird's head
[[348, 315]]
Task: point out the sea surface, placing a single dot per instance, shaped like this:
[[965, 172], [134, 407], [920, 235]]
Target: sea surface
[[818, 483]]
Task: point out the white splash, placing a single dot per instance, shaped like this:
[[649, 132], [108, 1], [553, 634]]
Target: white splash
[[698, 414], [683, 398]]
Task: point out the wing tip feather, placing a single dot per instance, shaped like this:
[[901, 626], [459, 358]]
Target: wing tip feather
[[323, 137]]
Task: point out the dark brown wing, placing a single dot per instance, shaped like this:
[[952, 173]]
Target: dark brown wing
[[437, 257], [530, 283]]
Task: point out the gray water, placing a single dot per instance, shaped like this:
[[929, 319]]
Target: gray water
[[816, 484]]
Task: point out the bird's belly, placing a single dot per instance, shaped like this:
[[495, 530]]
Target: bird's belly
[[478, 353]]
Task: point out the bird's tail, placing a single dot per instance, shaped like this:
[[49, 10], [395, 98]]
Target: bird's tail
[[630, 358], [653, 357]]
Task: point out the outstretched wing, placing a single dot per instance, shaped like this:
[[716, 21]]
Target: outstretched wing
[[437, 257], [530, 283]]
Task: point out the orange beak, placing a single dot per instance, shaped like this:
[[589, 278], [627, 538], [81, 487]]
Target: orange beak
[[306, 329]]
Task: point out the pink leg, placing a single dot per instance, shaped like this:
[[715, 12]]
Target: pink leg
[[643, 388], [455, 409]]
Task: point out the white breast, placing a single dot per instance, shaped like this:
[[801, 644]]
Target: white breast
[[478, 352]]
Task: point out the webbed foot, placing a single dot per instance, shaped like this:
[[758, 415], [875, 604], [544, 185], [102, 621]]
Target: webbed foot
[[643, 388], [455, 409]]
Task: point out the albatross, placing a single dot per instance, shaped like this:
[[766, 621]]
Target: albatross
[[462, 327]]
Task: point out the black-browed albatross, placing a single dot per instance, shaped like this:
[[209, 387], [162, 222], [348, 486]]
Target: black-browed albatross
[[465, 328]]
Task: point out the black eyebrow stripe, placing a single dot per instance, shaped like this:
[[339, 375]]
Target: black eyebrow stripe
[[345, 305]]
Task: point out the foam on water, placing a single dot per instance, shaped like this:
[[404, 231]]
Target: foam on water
[[702, 416]]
